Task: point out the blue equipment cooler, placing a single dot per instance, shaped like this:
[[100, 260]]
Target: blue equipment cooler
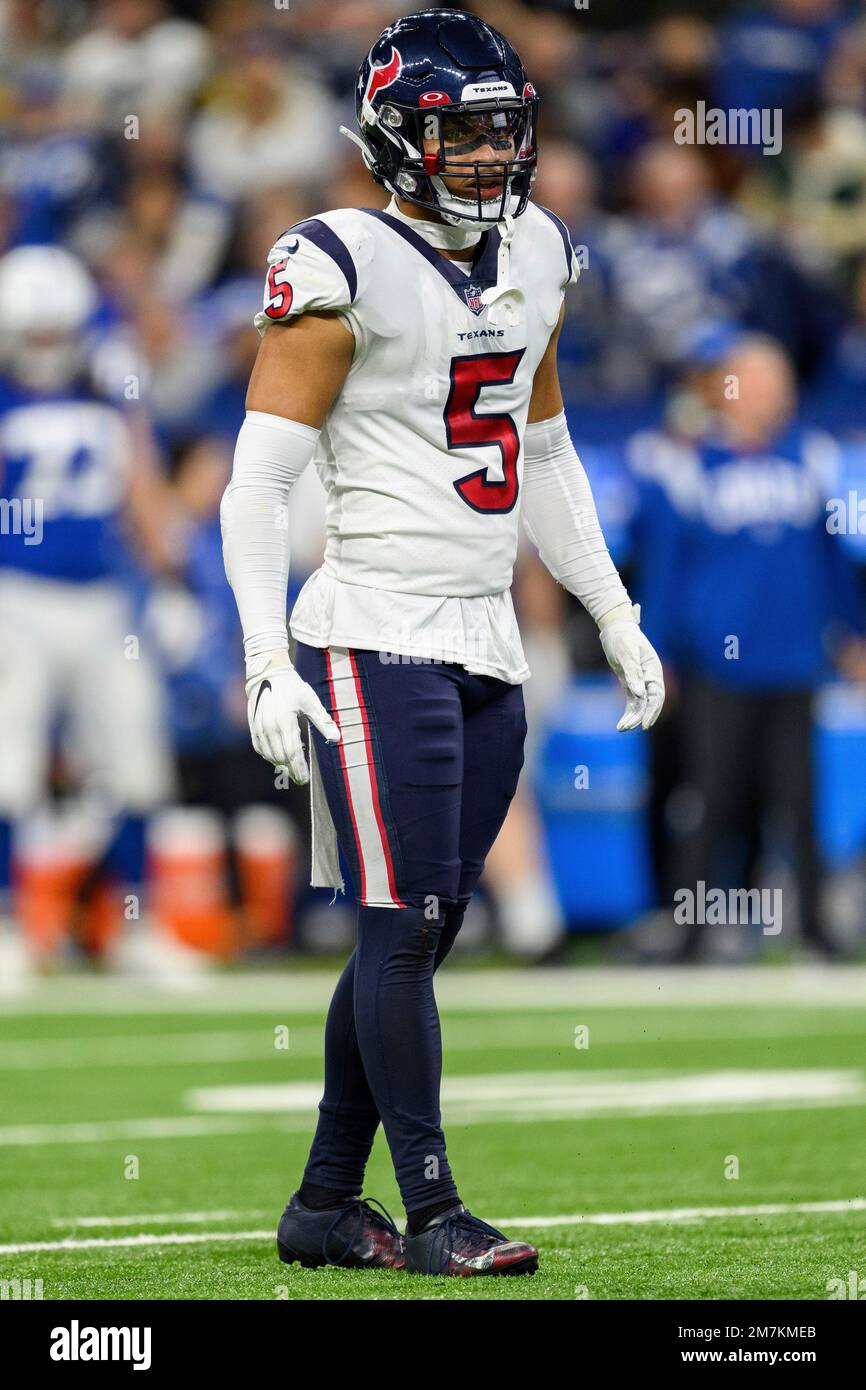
[[592, 786]]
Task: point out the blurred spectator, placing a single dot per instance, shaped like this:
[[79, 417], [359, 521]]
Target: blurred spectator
[[266, 124], [814, 194], [600, 356], [770, 52], [837, 392], [180, 236], [137, 60], [49, 173], [744, 589], [181, 360], [691, 256]]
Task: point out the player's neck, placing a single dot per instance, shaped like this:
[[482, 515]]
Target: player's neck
[[449, 234]]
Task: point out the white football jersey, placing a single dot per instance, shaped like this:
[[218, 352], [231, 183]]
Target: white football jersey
[[421, 454]]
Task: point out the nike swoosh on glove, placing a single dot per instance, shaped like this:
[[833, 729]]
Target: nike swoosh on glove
[[636, 665], [276, 695]]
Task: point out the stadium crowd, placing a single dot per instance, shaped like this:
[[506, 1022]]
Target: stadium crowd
[[714, 367]]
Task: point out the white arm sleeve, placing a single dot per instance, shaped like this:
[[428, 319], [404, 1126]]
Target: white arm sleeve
[[561, 521], [270, 456]]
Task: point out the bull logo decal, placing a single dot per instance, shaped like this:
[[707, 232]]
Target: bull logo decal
[[383, 74]]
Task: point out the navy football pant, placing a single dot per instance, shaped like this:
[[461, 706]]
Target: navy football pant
[[418, 789]]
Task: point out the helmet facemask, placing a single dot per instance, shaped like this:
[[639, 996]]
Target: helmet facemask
[[432, 162], [43, 362]]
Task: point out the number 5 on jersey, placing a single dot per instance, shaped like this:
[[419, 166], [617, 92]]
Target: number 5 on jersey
[[465, 429], [279, 290]]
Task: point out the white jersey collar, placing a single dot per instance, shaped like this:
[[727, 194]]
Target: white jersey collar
[[438, 234]]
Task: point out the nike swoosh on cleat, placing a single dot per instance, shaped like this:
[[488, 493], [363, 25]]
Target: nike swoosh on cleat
[[290, 250]]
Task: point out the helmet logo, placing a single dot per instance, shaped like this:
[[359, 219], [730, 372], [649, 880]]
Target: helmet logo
[[434, 99], [528, 90], [383, 74]]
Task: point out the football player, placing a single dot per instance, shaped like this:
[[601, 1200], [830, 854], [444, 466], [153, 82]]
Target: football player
[[77, 478], [411, 353]]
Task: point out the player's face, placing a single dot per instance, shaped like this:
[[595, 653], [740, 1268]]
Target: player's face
[[766, 398], [45, 361], [486, 137]]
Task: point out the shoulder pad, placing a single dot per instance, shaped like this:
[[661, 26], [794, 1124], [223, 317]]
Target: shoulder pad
[[320, 263], [561, 247]]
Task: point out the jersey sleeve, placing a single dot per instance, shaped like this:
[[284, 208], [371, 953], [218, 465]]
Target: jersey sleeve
[[567, 263], [312, 266]]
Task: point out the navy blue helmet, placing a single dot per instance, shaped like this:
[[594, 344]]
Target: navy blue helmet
[[435, 88]]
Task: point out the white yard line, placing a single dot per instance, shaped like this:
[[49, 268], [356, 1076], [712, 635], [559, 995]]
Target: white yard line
[[578, 1092], [616, 1218], [31, 1247], [640, 1218], [574, 1094], [280, 991], [155, 1218], [163, 1049], [151, 1127], [535, 1033]]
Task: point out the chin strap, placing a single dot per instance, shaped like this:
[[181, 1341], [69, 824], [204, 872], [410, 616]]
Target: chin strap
[[504, 302], [356, 140]]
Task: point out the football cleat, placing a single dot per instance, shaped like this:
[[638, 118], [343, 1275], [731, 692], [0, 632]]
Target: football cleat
[[352, 1235], [457, 1243]]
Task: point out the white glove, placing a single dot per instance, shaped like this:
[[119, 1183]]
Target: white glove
[[276, 695], [634, 661]]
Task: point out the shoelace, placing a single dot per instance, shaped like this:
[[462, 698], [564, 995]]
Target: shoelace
[[364, 1207], [445, 1238]]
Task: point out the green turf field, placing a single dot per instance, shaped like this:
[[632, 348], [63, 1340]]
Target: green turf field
[[147, 1146]]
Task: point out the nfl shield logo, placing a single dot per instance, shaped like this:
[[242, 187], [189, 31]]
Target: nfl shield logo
[[473, 298]]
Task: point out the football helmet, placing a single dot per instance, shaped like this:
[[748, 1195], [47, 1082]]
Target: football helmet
[[435, 88], [46, 299]]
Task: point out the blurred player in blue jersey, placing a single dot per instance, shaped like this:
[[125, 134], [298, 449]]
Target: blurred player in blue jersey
[[77, 482]]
